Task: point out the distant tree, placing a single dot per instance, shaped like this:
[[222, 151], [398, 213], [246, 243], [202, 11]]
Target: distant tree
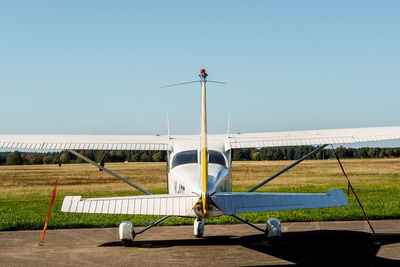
[[158, 156], [363, 152], [237, 155], [390, 152], [285, 152], [33, 158], [65, 157], [372, 153], [340, 151], [382, 154], [255, 156], [3, 157], [14, 158], [298, 153], [291, 153], [116, 156], [263, 154], [89, 154], [48, 159], [99, 155], [278, 155], [269, 155], [135, 157], [145, 157]]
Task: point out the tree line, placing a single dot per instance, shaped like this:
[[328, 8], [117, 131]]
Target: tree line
[[30, 158], [296, 152], [275, 153]]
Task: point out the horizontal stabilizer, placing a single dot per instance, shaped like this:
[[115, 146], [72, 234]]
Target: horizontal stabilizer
[[176, 205], [232, 203]]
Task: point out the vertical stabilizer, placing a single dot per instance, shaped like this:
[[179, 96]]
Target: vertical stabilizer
[[204, 160]]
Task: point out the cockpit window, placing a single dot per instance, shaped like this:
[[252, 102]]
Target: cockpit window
[[216, 157], [185, 157]]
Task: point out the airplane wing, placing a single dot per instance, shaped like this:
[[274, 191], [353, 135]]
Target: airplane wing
[[163, 204], [84, 142], [311, 137], [231, 203]]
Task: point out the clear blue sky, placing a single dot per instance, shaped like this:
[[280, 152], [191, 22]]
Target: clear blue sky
[[97, 66]]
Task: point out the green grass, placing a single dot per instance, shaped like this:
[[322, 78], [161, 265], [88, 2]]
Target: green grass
[[25, 207]]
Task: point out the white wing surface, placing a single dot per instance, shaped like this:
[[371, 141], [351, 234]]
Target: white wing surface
[[311, 137], [176, 205], [231, 203], [84, 142], [151, 142]]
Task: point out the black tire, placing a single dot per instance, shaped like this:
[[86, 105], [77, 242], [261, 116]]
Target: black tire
[[127, 243]]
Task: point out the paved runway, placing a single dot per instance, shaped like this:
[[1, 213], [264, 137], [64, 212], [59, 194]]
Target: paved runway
[[319, 243]]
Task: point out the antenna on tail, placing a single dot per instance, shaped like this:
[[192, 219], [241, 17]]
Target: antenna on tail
[[169, 136], [229, 125]]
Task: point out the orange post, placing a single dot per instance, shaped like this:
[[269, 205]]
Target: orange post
[[41, 243]]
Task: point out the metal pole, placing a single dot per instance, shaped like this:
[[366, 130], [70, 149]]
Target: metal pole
[[287, 168], [245, 221], [108, 171], [152, 224]]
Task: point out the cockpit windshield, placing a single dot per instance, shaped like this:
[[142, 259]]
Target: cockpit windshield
[[185, 157], [191, 156], [216, 157]]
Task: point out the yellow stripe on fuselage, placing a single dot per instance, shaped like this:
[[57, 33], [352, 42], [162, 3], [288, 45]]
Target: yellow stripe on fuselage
[[204, 161]]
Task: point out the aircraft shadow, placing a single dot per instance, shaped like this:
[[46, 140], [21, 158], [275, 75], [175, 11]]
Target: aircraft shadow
[[304, 248]]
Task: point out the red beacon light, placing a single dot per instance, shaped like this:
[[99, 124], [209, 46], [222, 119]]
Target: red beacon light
[[203, 75]]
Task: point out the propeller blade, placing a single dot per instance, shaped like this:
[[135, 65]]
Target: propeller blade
[[216, 82], [177, 84]]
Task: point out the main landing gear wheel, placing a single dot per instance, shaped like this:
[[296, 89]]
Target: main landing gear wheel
[[198, 227], [126, 233], [273, 229]]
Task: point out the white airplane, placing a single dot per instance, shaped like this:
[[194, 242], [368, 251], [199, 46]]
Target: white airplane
[[199, 175]]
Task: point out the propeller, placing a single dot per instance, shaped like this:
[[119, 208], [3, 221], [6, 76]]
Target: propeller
[[203, 75], [216, 82], [177, 84]]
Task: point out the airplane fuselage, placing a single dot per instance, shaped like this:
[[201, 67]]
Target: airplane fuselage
[[184, 175]]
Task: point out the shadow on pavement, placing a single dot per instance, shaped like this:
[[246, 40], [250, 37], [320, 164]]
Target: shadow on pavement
[[305, 248]]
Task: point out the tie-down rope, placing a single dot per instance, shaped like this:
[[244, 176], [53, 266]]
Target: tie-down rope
[[349, 186]]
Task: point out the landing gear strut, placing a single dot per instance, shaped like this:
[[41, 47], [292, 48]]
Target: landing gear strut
[[127, 234], [198, 227]]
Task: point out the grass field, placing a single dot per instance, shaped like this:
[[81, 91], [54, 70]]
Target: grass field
[[25, 191]]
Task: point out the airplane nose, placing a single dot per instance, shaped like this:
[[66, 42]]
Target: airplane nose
[[216, 173]]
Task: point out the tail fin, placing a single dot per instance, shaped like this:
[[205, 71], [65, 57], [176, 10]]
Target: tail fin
[[204, 160]]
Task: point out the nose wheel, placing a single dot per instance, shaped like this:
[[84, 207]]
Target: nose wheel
[[198, 227]]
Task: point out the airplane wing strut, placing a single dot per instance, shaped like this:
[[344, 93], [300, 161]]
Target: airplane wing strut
[[287, 168], [109, 171]]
